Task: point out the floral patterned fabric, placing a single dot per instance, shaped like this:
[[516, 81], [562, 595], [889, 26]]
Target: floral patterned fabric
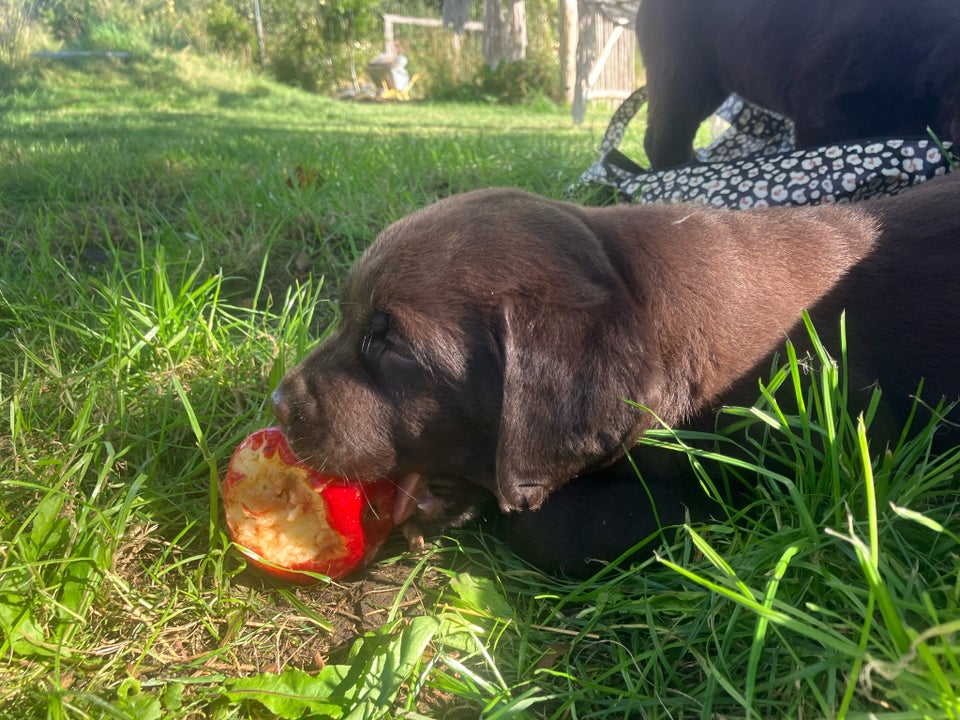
[[754, 163]]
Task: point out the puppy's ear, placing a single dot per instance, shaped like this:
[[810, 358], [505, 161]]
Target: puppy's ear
[[566, 374]]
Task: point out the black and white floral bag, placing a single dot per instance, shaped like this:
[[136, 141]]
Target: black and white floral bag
[[754, 163]]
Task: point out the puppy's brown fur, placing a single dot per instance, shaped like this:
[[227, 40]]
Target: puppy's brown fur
[[489, 341], [839, 70]]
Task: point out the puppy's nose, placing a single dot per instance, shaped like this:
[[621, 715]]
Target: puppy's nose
[[281, 409]]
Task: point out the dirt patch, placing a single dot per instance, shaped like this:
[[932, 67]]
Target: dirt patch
[[344, 610]]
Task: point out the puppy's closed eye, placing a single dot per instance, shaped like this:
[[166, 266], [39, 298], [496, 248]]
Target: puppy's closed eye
[[385, 353]]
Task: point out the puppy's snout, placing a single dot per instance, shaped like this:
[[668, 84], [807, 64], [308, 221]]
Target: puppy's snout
[[281, 408]]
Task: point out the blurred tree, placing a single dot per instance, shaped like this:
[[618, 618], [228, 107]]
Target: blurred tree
[[505, 31]]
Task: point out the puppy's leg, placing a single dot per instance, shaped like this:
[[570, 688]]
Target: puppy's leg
[[678, 102], [682, 83], [597, 517]]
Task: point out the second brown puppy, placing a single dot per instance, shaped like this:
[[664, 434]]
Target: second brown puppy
[[840, 70]]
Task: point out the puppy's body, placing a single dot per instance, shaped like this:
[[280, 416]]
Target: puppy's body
[[488, 343], [839, 70]]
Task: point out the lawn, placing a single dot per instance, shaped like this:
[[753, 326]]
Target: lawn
[[174, 232]]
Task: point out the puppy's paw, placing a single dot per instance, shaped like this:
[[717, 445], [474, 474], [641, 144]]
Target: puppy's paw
[[415, 537]]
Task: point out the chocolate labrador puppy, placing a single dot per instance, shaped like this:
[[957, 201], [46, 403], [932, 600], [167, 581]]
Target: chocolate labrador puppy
[[839, 70], [489, 343]]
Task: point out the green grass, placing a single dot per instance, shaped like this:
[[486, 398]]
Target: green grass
[[150, 297]]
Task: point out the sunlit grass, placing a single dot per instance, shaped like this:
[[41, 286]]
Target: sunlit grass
[[158, 274]]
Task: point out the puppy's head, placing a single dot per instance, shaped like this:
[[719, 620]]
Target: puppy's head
[[486, 347]]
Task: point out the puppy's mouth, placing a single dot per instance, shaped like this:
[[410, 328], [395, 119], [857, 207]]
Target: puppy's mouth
[[412, 491], [423, 506], [412, 495], [417, 510], [426, 505], [413, 498]]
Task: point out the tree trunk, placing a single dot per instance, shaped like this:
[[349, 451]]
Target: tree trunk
[[567, 13], [261, 47], [504, 31], [516, 39]]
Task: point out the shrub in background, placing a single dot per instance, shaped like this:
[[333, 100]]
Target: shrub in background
[[535, 79], [67, 19], [454, 70], [229, 31], [19, 30], [319, 45], [137, 26]]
